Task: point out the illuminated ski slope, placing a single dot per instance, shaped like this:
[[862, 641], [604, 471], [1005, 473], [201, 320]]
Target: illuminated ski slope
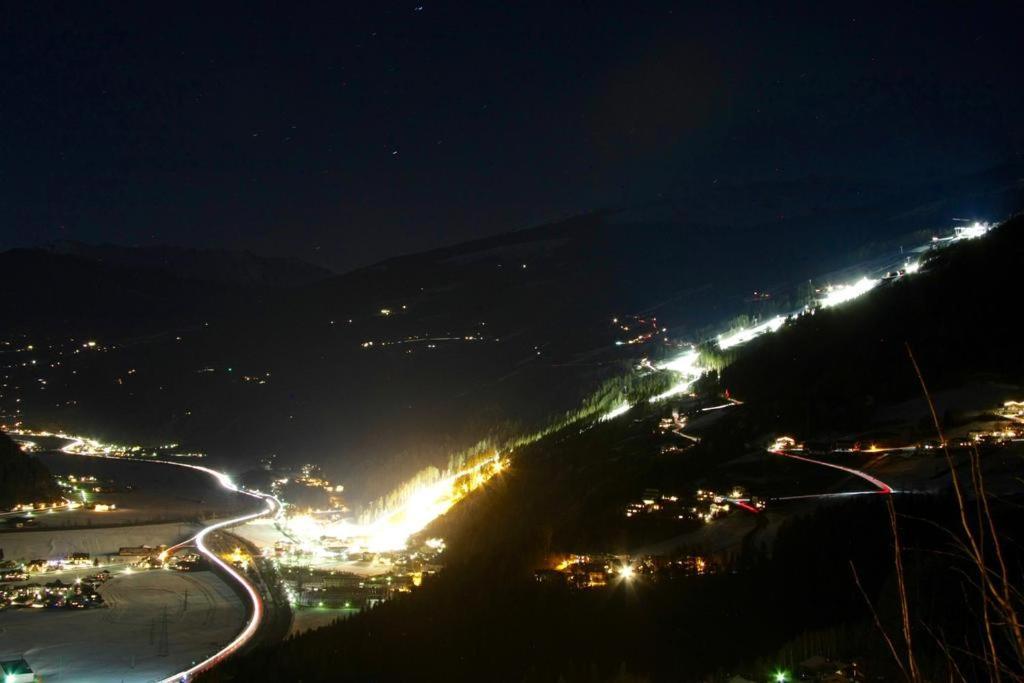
[[687, 367]]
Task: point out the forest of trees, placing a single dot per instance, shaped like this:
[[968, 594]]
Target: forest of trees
[[482, 620]]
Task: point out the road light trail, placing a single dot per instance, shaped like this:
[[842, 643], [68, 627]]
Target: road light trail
[[882, 487], [273, 507], [257, 602], [731, 404], [744, 504], [818, 496]]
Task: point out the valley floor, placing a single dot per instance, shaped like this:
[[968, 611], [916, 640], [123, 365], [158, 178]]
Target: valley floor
[[155, 623]]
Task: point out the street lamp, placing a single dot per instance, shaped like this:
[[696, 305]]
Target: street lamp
[[781, 676]]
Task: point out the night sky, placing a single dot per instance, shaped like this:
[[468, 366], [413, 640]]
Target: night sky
[[350, 132]]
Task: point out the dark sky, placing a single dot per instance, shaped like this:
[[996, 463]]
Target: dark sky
[[348, 132]]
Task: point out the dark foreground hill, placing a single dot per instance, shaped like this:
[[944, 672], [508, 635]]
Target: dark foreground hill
[[486, 618], [23, 479]]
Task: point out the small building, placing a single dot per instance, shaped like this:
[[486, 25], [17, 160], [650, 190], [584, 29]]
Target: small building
[[140, 550], [588, 575], [550, 576], [17, 671]]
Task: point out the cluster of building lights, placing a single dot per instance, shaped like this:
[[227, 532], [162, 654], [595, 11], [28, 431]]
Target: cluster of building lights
[[83, 445]]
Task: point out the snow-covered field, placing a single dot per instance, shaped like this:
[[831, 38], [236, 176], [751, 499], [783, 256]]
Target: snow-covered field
[[125, 641], [146, 492], [56, 543], [310, 618], [263, 532]]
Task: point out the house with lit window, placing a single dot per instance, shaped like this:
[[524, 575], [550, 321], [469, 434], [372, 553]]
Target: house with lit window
[[16, 671]]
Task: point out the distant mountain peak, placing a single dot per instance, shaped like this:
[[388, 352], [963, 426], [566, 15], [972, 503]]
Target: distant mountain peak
[[222, 266]]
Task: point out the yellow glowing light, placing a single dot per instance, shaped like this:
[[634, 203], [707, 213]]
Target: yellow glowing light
[[391, 529]]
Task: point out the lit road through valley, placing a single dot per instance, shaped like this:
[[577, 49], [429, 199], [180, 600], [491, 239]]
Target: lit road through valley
[[79, 446]]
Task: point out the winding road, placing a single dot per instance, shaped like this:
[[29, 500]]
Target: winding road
[[882, 487], [272, 508]]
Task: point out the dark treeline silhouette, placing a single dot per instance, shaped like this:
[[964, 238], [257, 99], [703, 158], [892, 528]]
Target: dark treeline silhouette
[[485, 620], [23, 479]]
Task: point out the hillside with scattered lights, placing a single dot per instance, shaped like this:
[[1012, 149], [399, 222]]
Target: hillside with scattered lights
[[664, 517]]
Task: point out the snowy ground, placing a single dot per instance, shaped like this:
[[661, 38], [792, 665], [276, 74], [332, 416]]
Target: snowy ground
[[970, 398], [146, 492], [264, 534], [310, 618], [723, 536], [55, 543], [123, 642]]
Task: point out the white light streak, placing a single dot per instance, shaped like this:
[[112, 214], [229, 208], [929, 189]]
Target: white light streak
[[687, 367], [615, 412], [840, 294], [746, 334], [970, 232]]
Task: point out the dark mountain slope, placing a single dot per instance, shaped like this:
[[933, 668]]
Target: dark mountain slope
[[23, 479], [239, 268], [837, 367], [493, 335], [52, 294], [485, 616]]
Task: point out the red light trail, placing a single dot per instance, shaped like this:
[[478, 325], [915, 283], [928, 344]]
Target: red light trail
[[882, 487]]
